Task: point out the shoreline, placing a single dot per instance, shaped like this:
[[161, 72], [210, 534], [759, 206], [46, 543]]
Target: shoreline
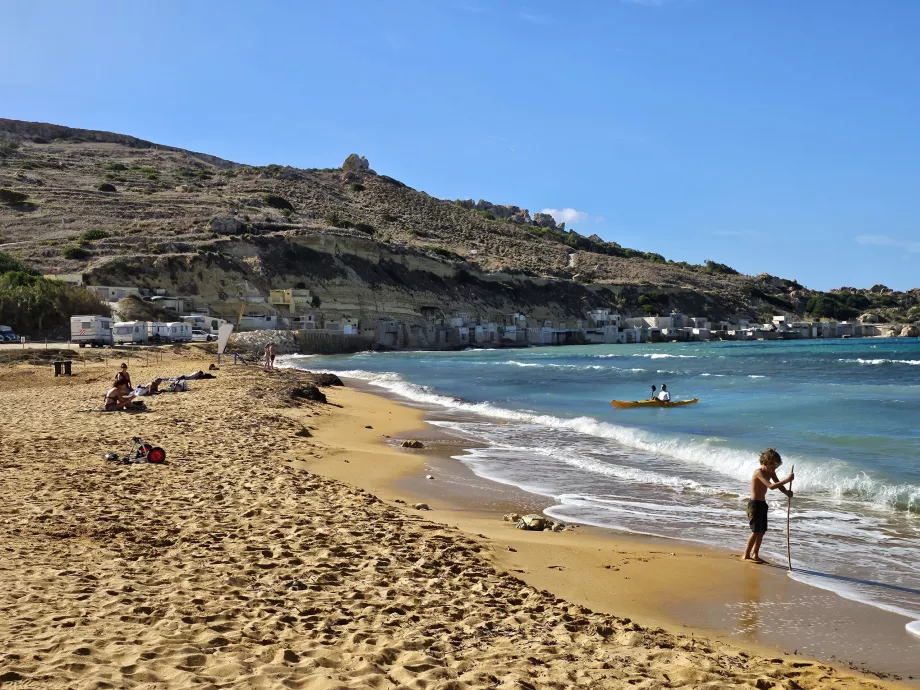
[[255, 557], [732, 609]]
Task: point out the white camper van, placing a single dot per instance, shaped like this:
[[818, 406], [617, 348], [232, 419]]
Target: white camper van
[[91, 330], [157, 332], [130, 332], [199, 321], [180, 331]]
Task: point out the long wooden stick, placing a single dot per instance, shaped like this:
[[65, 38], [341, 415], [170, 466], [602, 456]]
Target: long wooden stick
[[788, 508]]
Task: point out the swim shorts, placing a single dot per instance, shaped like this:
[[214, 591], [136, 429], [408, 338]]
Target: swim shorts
[[757, 514]]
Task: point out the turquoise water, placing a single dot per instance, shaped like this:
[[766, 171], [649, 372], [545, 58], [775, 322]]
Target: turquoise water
[[845, 412]]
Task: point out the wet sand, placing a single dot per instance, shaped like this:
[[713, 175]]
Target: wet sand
[[270, 551]]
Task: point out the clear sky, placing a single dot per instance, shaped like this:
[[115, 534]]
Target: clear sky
[[771, 135]]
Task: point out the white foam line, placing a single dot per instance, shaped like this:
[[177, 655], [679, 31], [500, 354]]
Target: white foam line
[[876, 362]]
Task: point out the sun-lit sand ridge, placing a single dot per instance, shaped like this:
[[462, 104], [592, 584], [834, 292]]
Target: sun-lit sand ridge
[[236, 566]]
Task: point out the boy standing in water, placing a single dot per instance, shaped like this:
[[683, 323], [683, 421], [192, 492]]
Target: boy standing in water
[[764, 478]]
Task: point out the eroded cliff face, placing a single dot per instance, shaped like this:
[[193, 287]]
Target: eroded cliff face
[[364, 279]]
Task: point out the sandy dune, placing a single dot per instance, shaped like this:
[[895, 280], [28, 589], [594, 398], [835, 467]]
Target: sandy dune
[[233, 567]]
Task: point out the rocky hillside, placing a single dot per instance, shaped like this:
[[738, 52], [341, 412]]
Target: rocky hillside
[[124, 211]]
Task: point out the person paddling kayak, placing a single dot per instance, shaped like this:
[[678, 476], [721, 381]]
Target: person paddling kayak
[[664, 396]]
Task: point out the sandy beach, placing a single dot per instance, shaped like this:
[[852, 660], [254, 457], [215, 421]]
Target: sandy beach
[[278, 547]]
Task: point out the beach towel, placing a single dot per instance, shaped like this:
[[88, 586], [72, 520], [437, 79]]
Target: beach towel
[[128, 409]]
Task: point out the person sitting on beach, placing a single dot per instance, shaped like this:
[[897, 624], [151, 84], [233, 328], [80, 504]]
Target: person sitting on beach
[[123, 376], [664, 396], [654, 393], [764, 478], [119, 397]]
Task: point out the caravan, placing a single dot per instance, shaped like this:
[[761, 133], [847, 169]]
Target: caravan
[[130, 332], [180, 331], [201, 322], [91, 330], [157, 332]]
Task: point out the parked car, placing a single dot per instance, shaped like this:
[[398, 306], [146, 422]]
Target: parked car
[[199, 336], [7, 335]]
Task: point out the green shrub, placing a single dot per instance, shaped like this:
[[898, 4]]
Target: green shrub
[[32, 305], [278, 202], [715, 267], [9, 263], [27, 165], [364, 227], [74, 251], [830, 306], [336, 221], [8, 149], [10, 197], [94, 234], [115, 166], [106, 187], [357, 187], [153, 176], [195, 173]]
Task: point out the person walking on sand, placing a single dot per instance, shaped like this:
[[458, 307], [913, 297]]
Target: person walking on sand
[[764, 478]]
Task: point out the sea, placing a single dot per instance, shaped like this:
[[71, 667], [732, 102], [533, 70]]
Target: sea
[[846, 413]]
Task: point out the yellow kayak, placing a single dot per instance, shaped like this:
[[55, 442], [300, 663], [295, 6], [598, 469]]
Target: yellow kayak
[[620, 404]]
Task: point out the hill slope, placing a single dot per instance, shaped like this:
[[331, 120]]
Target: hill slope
[[129, 212]]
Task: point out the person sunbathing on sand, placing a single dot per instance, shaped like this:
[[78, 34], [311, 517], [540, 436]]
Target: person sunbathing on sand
[[764, 478], [119, 396]]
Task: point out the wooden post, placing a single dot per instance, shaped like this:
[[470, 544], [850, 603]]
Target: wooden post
[[788, 509]]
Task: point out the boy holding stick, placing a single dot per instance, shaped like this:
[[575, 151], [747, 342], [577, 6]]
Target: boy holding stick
[[764, 478]]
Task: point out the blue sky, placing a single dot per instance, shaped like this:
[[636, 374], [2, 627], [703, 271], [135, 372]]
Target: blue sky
[[772, 135]]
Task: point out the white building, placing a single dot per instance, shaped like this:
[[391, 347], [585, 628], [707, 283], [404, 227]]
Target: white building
[[114, 294]]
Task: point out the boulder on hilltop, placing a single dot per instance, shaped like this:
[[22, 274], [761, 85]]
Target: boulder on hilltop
[[545, 220], [356, 164]]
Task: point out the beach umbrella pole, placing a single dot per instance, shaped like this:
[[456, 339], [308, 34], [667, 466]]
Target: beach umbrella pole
[[788, 510]]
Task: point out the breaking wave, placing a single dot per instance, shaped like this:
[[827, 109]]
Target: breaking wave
[[833, 478], [876, 362]]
